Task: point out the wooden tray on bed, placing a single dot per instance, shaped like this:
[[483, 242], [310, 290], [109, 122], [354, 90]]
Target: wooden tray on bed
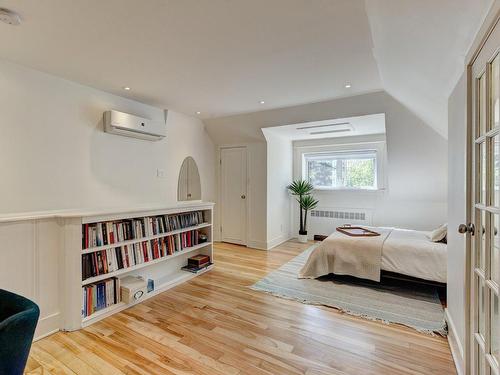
[[357, 231]]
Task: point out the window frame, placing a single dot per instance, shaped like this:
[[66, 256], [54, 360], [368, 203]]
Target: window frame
[[301, 149], [305, 169]]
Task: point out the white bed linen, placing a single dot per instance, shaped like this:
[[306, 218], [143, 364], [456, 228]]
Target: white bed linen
[[412, 253]]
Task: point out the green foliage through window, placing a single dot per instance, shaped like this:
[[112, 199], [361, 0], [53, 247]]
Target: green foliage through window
[[355, 170]]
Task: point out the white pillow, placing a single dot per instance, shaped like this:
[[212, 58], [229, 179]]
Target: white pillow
[[439, 234]]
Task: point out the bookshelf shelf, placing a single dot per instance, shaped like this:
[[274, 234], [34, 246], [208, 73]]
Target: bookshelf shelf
[[142, 239], [178, 278], [142, 265], [105, 312], [165, 272]]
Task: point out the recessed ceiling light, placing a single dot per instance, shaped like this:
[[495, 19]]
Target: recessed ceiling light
[[262, 102], [348, 86], [126, 88], [198, 113]]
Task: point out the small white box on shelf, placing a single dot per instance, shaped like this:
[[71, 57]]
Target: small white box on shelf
[[133, 288]]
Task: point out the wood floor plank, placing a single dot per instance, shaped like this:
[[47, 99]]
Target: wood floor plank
[[215, 324]]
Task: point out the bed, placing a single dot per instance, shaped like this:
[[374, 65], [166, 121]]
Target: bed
[[396, 251]]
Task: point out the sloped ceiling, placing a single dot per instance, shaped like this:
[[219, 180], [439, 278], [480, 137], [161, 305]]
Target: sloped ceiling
[[218, 57], [420, 48], [223, 57]]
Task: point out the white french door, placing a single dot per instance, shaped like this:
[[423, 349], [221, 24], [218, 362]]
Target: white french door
[[233, 191], [485, 209]]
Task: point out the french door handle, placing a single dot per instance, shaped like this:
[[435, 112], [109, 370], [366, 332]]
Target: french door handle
[[464, 228]]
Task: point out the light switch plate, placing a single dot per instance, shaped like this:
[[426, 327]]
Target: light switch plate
[[160, 173]]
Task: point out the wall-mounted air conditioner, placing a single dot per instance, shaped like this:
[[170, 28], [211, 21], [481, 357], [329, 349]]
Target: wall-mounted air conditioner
[[121, 123]]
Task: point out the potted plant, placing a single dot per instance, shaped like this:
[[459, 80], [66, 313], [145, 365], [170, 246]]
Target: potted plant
[[302, 190]]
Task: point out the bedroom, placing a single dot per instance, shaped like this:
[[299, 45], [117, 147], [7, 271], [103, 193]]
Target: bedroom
[[181, 247]]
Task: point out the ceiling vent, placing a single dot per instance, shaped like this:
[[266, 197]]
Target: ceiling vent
[[322, 126]]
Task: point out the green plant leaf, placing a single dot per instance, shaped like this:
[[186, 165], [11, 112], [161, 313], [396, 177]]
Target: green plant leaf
[[307, 202], [300, 187]]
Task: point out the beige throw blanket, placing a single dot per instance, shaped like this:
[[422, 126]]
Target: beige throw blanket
[[344, 255]]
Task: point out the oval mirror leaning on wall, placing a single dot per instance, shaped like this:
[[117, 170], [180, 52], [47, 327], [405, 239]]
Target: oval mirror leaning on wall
[[189, 188]]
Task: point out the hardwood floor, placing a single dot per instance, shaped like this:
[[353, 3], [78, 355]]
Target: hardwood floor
[[215, 324]]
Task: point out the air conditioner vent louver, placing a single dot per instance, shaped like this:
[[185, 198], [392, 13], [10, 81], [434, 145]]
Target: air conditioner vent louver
[[128, 125]]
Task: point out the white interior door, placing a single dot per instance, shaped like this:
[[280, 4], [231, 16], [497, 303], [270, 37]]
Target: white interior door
[[485, 210], [233, 167]]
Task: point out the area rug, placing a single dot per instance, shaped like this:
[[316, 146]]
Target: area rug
[[412, 305]]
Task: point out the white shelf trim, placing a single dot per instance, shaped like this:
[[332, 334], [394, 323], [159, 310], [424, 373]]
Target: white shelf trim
[[146, 264], [89, 213], [143, 239]]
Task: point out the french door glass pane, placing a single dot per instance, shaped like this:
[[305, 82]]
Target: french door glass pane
[[495, 91], [482, 105], [481, 312], [482, 173], [495, 328], [496, 170], [481, 237], [495, 249]]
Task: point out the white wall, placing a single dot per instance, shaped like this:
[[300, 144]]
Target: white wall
[[279, 176], [457, 150], [55, 155], [416, 195], [29, 266]]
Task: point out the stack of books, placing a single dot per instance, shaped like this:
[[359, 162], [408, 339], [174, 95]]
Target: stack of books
[[197, 263], [100, 295]]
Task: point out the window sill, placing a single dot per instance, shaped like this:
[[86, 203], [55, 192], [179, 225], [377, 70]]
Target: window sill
[[349, 190]]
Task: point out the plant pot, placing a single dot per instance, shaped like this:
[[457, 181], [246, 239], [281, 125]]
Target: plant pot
[[303, 238]]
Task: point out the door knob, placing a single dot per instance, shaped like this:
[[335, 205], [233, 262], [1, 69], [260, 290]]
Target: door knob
[[463, 228], [243, 196]]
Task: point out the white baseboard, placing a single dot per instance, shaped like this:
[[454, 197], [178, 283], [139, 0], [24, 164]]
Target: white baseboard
[[456, 347], [47, 326], [262, 245], [216, 235], [278, 241], [259, 245]]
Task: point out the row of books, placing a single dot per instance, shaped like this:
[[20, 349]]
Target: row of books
[[107, 233], [100, 295], [109, 260]]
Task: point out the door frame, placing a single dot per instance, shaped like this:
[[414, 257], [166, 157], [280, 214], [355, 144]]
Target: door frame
[[219, 190], [489, 23]]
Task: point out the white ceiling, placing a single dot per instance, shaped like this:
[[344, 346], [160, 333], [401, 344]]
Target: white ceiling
[[335, 128], [223, 57], [219, 57], [420, 48]]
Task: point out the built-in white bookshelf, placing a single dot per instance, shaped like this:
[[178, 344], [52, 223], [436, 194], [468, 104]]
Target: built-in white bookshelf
[[156, 252]]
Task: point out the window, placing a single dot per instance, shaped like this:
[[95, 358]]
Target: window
[[342, 170]]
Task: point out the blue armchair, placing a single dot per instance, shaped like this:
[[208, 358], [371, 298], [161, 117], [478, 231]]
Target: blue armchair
[[18, 319]]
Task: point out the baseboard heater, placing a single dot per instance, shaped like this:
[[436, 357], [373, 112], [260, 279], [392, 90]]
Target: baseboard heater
[[324, 220]]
